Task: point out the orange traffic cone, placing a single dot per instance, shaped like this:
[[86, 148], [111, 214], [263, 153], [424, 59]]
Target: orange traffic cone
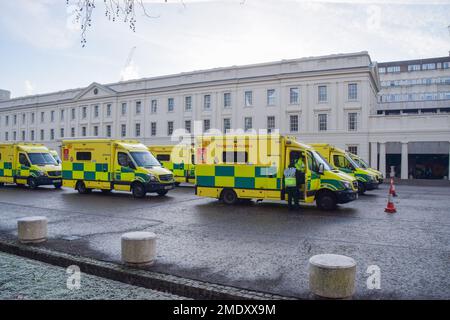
[[390, 208], [392, 188]]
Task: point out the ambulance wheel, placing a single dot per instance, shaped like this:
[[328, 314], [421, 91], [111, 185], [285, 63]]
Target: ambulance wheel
[[106, 191], [58, 185], [2, 184], [32, 183], [138, 190], [361, 187], [81, 188], [326, 200], [228, 196], [161, 192], [177, 184]]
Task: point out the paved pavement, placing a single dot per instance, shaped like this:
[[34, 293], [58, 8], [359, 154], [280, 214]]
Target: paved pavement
[[256, 246], [25, 279]]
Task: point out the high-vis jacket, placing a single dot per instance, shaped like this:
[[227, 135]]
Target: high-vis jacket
[[289, 177]]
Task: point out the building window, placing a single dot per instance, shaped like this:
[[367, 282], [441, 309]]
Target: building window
[[96, 111], [293, 123], [187, 126], [227, 100], [124, 109], [23, 135], [15, 119], [61, 132], [14, 135], [154, 106], [393, 69], [352, 121], [207, 102], [138, 107], [137, 132], [226, 125], [72, 111], [6, 136], [248, 123], [270, 123], [170, 104], [32, 135], [24, 116], [382, 70], [353, 149], [123, 130], [95, 131], [169, 128], [83, 131], [52, 116], [322, 122], [445, 65], [188, 103], [42, 117], [32, 118], [271, 97], [294, 94], [84, 113], [61, 115], [72, 132], [206, 125], [153, 129], [428, 66], [248, 97], [322, 92], [414, 67], [108, 131], [7, 121], [352, 91], [108, 110], [42, 134], [52, 134]]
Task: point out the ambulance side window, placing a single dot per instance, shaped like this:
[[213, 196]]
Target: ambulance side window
[[124, 160], [84, 156], [23, 160], [312, 164], [163, 157]]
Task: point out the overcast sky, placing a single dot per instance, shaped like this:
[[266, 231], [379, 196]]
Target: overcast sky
[[41, 52]]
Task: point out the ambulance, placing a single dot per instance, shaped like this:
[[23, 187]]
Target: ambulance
[[342, 161], [106, 164], [28, 164], [55, 155], [180, 159], [363, 164], [236, 167]]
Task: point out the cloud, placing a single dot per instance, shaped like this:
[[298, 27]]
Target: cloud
[[129, 72], [29, 88]]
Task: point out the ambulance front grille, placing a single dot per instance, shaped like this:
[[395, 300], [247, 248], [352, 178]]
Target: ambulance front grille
[[54, 173], [166, 177]]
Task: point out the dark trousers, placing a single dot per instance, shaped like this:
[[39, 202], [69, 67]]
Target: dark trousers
[[293, 197]]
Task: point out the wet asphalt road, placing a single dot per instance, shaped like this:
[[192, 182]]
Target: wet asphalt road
[[260, 246]]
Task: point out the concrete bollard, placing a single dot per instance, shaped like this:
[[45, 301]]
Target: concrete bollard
[[332, 276], [32, 229], [138, 248]]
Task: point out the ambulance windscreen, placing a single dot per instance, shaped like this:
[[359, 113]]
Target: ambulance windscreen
[[42, 159], [145, 159]]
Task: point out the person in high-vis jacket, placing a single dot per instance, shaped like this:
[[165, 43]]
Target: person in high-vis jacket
[[290, 184], [300, 172]]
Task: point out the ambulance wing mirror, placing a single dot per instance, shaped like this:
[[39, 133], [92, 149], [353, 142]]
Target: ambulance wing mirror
[[321, 168]]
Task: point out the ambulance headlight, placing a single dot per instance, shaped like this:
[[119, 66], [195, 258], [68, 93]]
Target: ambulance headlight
[[152, 177], [347, 185]]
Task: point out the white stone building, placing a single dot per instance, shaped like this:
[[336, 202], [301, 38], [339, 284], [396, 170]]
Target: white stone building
[[331, 99]]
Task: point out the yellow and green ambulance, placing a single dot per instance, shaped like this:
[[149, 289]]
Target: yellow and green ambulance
[[363, 164], [28, 164], [342, 161], [180, 159], [55, 155], [107, 164], [235, 167]]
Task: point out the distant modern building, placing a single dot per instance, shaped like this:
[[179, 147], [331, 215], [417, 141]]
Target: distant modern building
[[416, 93], [330, 99]]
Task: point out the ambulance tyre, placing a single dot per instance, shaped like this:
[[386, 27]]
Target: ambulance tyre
[[361, 187], [161, 192], [138, 190], [32, 183], [228, 196], [106, 191], [81, 188], [1, 184], [58, 185], [326, 200]]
